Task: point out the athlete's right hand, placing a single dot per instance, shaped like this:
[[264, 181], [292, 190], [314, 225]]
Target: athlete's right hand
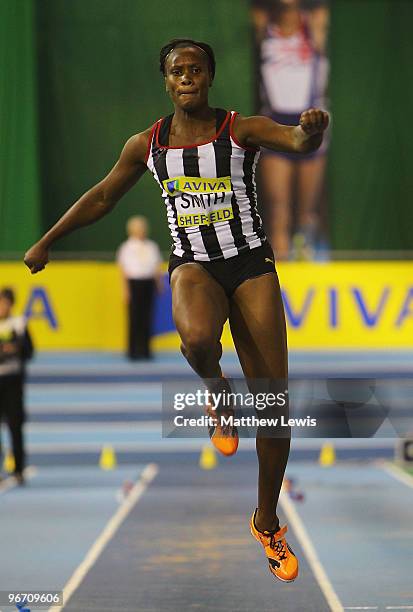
[[36, 258]]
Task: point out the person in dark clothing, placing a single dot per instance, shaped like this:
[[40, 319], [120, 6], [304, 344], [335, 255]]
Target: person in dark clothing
[[16, 348]]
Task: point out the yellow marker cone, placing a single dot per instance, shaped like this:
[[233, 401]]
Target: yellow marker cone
[[9, 464], [107, 459], [208, 459], [327, 455]]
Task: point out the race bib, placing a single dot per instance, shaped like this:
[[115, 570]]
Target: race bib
[[200, 200]]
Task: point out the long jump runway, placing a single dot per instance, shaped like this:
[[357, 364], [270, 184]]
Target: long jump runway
[[186, 546], [177, 537], [183, 543]]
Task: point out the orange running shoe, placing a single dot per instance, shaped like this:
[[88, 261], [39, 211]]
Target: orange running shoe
[[282, 562], [224, 437]]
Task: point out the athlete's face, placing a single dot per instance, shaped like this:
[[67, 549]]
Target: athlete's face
[[188, 78]]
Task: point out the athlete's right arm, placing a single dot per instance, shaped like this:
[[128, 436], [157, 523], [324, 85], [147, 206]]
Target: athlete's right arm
[[97, 202]]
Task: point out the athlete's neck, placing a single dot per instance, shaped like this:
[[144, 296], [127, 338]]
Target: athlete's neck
[[189, 122]]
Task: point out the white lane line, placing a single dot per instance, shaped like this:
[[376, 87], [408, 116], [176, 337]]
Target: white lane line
[[399, 474], [399, 607], [10, 483], [361, 607], [309, 550], [107, 534]]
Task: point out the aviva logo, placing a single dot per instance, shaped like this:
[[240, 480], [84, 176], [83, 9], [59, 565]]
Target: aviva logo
[[197, 184]]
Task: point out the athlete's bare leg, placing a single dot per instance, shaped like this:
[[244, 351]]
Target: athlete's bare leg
[[277, 174], [259, 332], [310, 179], [200, 309]]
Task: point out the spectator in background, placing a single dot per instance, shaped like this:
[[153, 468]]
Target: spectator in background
[[139, 260], [293, 77], [15, 349]]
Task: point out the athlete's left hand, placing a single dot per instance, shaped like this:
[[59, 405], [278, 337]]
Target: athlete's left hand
[[314, 121]]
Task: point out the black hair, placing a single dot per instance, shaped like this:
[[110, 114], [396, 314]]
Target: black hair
[[186, 42], [7, 294]]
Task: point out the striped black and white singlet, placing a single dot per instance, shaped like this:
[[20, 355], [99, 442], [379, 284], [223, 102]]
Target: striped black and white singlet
[[209, 192]]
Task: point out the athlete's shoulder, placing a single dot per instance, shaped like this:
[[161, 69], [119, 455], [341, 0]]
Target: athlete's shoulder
[[240, 130], [137, 146]]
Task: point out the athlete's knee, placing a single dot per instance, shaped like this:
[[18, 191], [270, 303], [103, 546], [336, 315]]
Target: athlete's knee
[[198, 343]]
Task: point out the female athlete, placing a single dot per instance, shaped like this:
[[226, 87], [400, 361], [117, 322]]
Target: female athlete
[[221, 266]]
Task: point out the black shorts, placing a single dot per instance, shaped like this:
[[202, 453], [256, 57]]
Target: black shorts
[[230, 273]]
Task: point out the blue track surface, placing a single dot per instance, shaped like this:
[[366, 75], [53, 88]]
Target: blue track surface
[[185, 544]]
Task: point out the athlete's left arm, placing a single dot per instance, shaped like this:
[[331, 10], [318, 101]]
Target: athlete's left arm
[[264, 132]]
